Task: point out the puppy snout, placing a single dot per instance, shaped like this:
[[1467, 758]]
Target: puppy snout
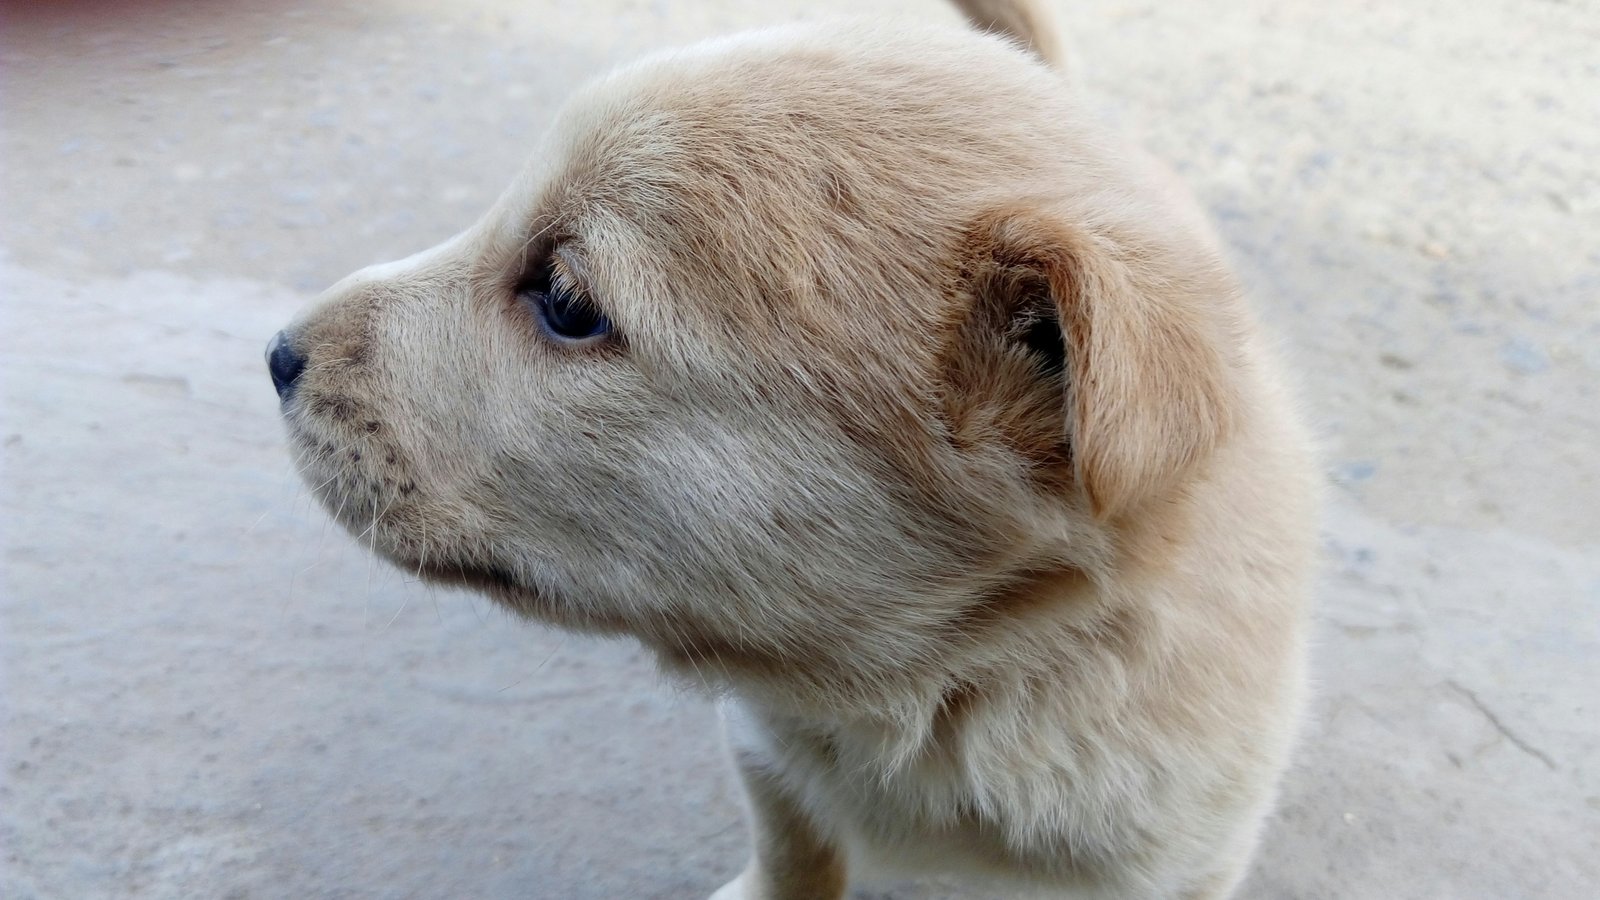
[[284, 363]]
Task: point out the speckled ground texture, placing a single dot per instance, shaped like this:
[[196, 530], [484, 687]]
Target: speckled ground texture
[[208, 691]]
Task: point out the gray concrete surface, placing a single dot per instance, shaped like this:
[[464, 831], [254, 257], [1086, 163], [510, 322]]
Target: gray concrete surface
[[210, 692]]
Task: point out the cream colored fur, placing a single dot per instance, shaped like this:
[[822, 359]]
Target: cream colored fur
[[933, 436]]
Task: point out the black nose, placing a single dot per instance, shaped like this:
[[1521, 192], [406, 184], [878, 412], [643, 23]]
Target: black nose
[[285, 363]]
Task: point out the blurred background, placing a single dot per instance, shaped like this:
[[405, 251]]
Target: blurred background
[[208, 691]]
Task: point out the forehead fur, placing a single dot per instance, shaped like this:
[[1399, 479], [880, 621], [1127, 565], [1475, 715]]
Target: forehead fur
[[787, 184]]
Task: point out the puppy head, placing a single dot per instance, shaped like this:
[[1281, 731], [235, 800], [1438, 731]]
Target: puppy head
[[784, 355]]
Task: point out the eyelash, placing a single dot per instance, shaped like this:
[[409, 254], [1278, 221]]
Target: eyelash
[[564, 314]]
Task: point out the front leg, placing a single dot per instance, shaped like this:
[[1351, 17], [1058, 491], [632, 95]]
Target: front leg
[[792, 860]]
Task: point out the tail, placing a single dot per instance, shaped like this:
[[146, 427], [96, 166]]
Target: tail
[[1020, 20]]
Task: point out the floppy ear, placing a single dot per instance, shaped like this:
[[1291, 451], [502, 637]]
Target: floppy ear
[[1132, 342]]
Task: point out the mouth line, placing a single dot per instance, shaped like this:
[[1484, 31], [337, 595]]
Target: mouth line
[[499, 586], [488, 579], [379, 511]]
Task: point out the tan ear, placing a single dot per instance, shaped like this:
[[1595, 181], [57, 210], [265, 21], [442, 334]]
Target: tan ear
[[1021, 20], [1147, 339]]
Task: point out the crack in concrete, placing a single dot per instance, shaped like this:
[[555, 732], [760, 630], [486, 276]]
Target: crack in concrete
[[1500, 726]]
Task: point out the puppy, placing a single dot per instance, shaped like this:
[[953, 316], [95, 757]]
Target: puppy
[[861, 376]]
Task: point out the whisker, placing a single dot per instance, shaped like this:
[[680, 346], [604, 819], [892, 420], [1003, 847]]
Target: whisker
[[406, 600], [257, 523]]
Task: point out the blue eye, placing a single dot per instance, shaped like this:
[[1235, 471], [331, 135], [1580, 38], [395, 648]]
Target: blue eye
[[565, 314]]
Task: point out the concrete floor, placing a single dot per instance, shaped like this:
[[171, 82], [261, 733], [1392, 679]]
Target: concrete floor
[[210, 692]]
